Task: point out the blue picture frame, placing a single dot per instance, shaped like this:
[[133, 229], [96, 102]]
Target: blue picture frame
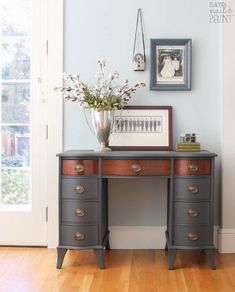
[[171, 64]]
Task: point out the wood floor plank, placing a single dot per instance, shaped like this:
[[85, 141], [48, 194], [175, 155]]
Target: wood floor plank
[[33, 270]]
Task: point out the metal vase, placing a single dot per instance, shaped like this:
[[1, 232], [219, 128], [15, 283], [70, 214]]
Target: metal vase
[[102, 122]]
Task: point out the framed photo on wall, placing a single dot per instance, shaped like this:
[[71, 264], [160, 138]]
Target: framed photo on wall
[[142, 128], [171, 64]]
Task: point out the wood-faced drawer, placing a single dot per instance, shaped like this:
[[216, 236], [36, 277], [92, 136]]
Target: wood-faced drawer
[[192, 167], [80, 167], [79, 212], [198, 235], [192, 213], [192, 189], [80, 188], [136, 167], [76, 235]]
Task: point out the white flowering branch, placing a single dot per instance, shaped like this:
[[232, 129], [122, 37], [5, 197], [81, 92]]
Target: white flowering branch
[[105, 95]]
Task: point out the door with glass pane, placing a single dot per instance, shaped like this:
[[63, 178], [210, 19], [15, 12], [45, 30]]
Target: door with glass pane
[[23, 123]]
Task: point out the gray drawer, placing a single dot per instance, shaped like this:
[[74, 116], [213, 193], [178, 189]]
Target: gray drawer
[[79, 235], [80, 188], [79, 212], [192, 213], [192, 189], [200, 234]]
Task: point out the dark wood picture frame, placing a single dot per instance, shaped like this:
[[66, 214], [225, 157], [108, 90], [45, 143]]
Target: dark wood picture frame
[[150, 121], [171, 64]]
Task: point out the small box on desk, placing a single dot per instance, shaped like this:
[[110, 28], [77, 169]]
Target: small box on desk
[[188, 147]]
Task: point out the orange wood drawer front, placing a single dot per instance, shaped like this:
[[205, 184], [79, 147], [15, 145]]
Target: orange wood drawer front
[[193, 167], [80, 167], [136, 167]]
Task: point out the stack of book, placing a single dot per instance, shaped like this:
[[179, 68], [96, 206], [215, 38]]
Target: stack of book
[[188, 146]]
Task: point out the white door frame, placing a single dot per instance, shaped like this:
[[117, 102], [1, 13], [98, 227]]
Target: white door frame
[[55, 11]]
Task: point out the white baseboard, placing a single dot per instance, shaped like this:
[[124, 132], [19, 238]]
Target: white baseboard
[[142, 237], [227, 240]]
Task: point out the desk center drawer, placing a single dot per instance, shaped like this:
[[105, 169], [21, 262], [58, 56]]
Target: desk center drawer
[[79, 212], [136, 167]]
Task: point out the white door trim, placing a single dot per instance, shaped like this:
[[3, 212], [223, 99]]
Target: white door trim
[[55, 112]]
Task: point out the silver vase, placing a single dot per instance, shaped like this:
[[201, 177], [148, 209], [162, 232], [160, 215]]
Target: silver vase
[[102, 122]]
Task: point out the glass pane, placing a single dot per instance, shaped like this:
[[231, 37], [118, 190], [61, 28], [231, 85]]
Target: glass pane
[[15, 46], [15, 17], [15, 146], [16, 59], [15, 187], [15, 102]]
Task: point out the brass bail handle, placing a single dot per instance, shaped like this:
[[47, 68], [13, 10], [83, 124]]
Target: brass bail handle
[[192, 236], [192, 213], [79, 236], [136, 167], [193, 167], [79, 189], [79, 168], [80, 212], [193, 189]]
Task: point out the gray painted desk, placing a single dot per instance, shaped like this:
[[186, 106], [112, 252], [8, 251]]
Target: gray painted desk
[[83, 195]]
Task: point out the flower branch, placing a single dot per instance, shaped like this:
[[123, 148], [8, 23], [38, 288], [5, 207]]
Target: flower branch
[[104, 95]]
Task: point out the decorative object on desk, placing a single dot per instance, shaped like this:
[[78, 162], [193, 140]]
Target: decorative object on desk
[[142, 128], [139, 59], [188, 142], [170, 64], [188, 137], [102, 122], [101, 100]]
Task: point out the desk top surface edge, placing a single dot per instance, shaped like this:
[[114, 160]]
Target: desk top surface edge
[[134, 154]]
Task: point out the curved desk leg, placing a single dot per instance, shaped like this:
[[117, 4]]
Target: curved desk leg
[[171, 258], [107, 245], [166, 247], [100, 257], [60, 256], [211, 258]]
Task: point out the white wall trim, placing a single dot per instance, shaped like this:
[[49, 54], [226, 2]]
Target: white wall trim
[[142, 237], [227, 240], [55, 13]]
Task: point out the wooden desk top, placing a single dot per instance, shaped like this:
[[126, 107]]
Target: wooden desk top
[[135, 154]]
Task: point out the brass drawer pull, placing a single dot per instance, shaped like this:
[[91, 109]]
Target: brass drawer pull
[[193, 167], [79, 189], [193, 189], [79, 236], [79, 168], [80, 212], [136, 168], [192, 213], [192, 236]]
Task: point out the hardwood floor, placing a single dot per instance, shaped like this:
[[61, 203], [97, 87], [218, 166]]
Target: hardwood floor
[[33, 269]]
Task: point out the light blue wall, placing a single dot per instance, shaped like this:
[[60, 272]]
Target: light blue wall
[[105, 28]]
